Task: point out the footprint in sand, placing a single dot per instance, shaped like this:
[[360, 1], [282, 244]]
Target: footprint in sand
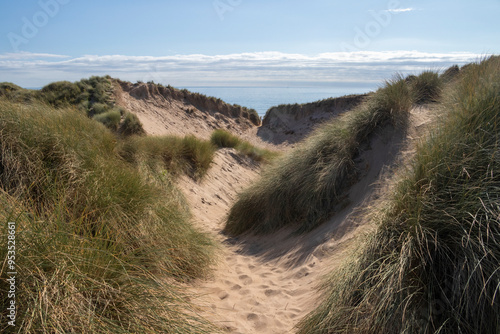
[[222, 295], [245, 279], [271, 292], [258, 324], [301, 273]]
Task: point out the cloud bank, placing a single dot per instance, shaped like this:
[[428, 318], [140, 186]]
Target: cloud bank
[[243, 69]]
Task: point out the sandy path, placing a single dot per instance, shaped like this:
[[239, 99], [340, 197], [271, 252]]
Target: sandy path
[[249, 292], [261, 284]]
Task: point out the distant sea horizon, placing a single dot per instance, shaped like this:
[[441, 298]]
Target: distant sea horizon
[[263, 98]]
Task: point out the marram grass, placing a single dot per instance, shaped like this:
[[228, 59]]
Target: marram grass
[[433, 263], [101, 244], [301, 188], [222, 138]]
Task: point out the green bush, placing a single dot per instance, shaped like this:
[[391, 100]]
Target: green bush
[[303, 187], [431, 266], [99, 108], [100, 243], [111, 119], [61, 93]]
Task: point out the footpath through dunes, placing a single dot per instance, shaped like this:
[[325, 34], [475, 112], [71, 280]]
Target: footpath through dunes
[[267, 284]]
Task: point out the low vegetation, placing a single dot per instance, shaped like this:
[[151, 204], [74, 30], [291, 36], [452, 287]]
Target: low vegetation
[[222, 138], [432, 265], [426, 87], [188, 155], [94, 96], [101, 243], [303, 187]]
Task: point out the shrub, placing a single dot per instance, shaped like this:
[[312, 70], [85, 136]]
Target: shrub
[[99, 108], [15, 93], [431, 266], [450, 74], [303, 187]]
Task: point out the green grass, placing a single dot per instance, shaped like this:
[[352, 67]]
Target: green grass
[[188, 155], [111, 119], [94, 96], [101, 243], [426, 87], [432, 265], [301, 188], [222, 138], [131, 125]]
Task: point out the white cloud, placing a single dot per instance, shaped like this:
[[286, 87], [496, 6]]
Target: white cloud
[[29, 55], [401, 10], [259, 68]]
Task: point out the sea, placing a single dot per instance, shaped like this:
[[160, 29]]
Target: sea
[[263, 98]]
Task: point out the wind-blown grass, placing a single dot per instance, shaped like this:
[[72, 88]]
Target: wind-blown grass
[[94, 96], [100, 242], [188, 155], [303, 187], [426, 87], [432, 265], [222, 138]]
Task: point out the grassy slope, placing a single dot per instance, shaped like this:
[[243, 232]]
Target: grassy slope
[[100, 242], [222, 138], [432, 265], [93, 96], [302, 187]]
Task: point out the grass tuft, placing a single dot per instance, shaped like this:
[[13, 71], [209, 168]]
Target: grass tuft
[[111, 119], [427, 87], [188, 155], [131, 125], [222, 138]]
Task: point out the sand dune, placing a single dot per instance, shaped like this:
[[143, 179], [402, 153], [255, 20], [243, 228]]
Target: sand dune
[[266, 284]]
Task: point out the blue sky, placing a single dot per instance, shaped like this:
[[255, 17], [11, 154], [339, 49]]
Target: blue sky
[[240, 42]]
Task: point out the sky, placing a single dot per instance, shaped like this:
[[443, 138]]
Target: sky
[[241, 42]]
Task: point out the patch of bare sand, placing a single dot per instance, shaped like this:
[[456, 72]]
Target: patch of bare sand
[[266, 284]]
